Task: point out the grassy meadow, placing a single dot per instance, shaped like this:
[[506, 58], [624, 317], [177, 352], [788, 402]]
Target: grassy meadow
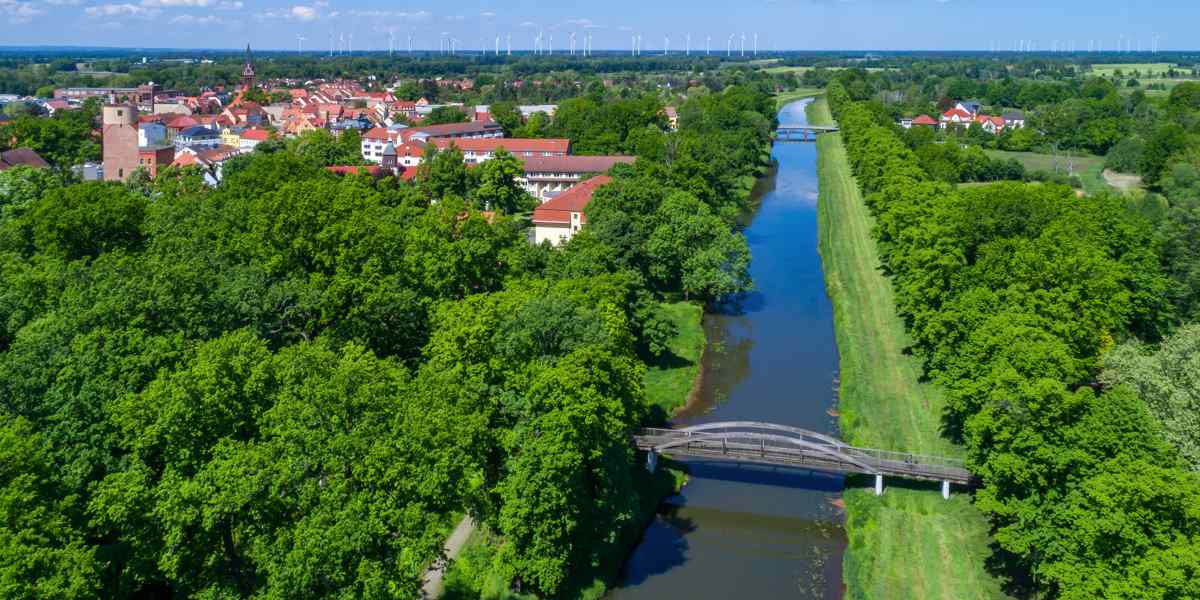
[[909, 543], [1089, 169], [669, 383]]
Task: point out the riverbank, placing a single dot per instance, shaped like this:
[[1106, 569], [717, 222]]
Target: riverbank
[[784, 98], [909, 543]]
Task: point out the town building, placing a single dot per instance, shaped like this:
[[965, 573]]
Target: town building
[[478, 150], [559, 219], [153, 157], [547, 177], [198, 136], [120, 141], [151, 133], [251, 138]]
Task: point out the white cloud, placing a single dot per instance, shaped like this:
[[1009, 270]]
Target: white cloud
[[454, 18], [176, 3], [64, 2], [624, 28], [298, 12], [528, 24], [194, 20], [19, 13], [230, 5], [391, 15], [121, 10], [488, 14]]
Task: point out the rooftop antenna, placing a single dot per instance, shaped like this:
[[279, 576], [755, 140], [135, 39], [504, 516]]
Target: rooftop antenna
[[300, 44]]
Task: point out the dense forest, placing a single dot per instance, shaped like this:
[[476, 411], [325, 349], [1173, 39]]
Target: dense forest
[[1015, 295], [290, 385]]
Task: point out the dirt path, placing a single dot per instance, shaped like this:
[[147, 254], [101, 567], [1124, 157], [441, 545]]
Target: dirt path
[[432, 587], [1122, 181]]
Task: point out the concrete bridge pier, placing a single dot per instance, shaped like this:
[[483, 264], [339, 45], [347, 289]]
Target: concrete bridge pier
[[878, 484], [946, 490]]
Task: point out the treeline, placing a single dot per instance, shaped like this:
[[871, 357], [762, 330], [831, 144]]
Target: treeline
[[1013, 294], [287, 386]]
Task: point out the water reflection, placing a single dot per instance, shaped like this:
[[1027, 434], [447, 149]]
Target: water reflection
[[755, 531]]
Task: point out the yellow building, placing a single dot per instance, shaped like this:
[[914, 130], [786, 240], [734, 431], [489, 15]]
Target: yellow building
[[231, 137]]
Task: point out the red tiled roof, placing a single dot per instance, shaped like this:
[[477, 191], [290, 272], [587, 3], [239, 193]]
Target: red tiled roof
[[260, 135], [182, 122], [376, 133], [559, 208], [514, 145], [962, 114], [21, 156], [353, 170], [924, 120]]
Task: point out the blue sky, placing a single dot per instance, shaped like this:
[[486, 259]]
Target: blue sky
[[780, 24]]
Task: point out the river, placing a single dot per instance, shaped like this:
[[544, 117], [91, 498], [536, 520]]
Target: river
[[747, 531]]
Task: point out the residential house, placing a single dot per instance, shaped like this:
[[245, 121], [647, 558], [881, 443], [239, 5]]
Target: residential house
[[672, 117], [1014, 119], [992, 125], [231, 136], [547, 177], [559, 219], [251, 138], [958, 117], [925, 120], [200, 137]]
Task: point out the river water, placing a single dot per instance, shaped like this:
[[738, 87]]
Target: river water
[[752, 531]]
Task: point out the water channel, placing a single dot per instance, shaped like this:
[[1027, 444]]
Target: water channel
[[744, 531]]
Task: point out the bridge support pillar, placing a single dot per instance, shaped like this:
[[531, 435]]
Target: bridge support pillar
[[651, 460], [879, 485], [946, 490]]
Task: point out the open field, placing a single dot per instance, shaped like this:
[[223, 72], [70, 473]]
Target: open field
[[1089, 169], [669, 384], [909, 543], [1127, 69]]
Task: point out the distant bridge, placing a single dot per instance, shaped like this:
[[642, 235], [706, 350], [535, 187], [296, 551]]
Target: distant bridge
[[768, 443], [801, 133]]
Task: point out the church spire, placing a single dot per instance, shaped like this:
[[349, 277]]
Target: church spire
[[248, 71]]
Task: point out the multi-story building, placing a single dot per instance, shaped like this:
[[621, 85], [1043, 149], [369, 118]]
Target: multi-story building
[[559, 219], [547, 177], [120, 141], [153, 157], [477, 150]]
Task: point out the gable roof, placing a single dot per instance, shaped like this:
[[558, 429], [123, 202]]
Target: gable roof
[[573, 164], [21, 156], [514, 145], [924, 120], [559, 208]]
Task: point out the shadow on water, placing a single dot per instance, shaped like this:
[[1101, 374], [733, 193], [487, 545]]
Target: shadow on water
[[788, 477]]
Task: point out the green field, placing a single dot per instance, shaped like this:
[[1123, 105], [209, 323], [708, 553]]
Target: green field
[[909, 543], [668, 384], [1089, 169]]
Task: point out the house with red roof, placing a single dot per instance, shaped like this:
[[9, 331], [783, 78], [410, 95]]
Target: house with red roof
[[956, 117], [560, 218], [925, 120], [478, 150], [547, 177]]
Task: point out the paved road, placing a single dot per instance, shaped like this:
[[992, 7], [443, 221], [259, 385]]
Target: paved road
[[432, 587]]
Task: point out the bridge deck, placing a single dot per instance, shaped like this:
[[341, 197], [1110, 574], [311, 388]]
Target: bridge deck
[[801, 127], [777, 445]]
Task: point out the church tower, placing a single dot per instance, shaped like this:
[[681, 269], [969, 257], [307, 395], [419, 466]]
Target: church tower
[[248, 71]]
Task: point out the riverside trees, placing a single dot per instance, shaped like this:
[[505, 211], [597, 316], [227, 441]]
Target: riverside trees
[[286, 385], [1013, 294]]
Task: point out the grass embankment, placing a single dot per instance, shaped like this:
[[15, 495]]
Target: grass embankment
[[909, 543], [669, 382], [782, 98]]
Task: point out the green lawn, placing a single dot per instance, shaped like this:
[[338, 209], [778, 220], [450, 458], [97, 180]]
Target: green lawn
[[909, 543], [668, 384]]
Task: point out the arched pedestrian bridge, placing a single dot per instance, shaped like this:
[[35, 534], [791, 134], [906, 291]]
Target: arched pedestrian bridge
[[801, 132], [781, 445]]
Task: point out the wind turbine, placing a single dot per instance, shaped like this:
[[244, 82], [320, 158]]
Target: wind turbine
[[352, 44], [497, 44], [509, 41], [572, 43], [300, 44], [331, 44], [666, 44], [729, 45], [756, 44], [707, 45], [743, 45], [391, 43]]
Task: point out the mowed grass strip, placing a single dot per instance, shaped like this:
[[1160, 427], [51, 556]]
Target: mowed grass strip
[[909, 543], [669, 382]]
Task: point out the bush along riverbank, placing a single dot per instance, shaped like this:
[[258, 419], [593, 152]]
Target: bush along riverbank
[[910, 543], [1012, 294]]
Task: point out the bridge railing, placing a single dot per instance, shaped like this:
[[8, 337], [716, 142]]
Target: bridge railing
[[896, 460]]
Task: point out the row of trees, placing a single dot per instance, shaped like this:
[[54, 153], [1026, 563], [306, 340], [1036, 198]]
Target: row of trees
[[1013, 293], [285, 386]]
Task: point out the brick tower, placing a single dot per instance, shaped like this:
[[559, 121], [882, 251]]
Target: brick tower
[[248, 71], [120, 141]]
